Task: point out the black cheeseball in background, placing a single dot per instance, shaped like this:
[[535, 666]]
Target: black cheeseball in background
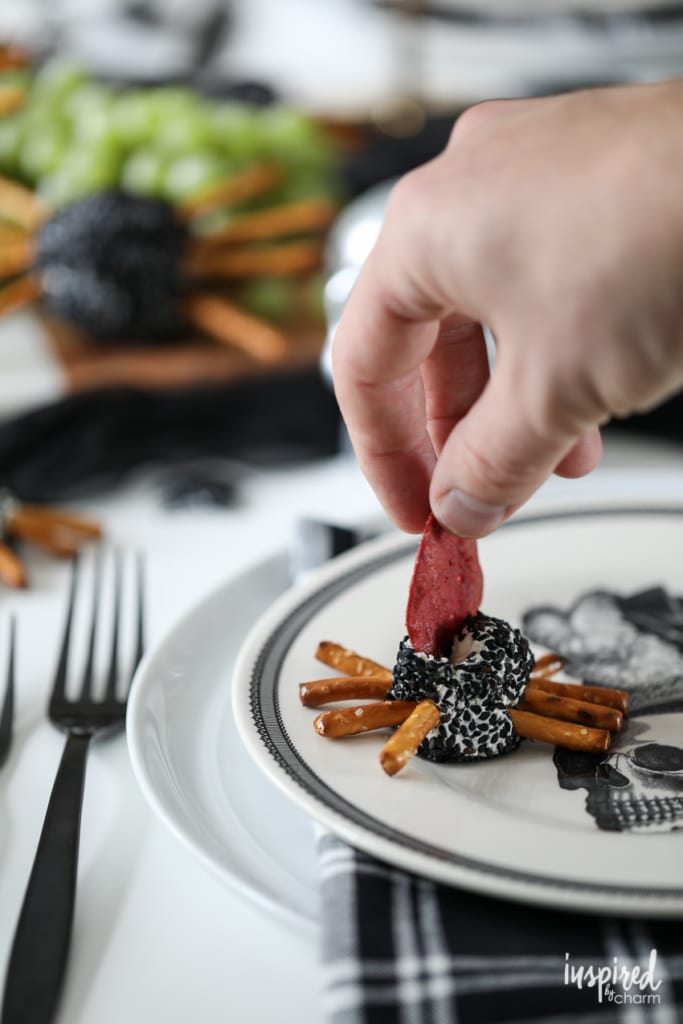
[[111, 264]]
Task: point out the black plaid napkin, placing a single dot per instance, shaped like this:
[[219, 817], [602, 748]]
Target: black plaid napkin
[[399, 949]]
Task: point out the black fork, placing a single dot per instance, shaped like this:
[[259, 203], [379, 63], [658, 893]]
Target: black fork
[[41, 942], [7, 712]]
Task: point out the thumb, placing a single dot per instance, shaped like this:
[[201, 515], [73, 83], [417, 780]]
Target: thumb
[[500, 453]]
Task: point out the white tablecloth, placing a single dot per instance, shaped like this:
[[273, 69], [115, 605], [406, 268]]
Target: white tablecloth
[[156, 938]]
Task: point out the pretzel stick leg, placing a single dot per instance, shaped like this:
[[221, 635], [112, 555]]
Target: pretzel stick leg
[[326, 691], [562, 734], [19, 293], [364, 718], [273, 222], [286, 260], [19, 205], [12, 58], [565, 708], [60, 542], [11, 98], [349, 662], [547, 666], [400, 747], [59, 518], [226, 323], [252, 181], [10, 233], [12, 572], [15, 257], [618, 699]]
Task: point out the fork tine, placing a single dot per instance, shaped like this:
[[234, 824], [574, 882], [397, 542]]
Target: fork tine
[[113, 671], [88, 671], [7, 716], [140, 624], [59, 685]]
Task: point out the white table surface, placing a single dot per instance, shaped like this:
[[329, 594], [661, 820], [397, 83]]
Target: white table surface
[[156, 937]]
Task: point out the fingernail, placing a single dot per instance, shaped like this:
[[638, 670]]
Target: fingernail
[[467, 516]]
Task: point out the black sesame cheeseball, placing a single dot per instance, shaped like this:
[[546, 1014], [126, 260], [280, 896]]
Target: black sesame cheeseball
[[474, 694], [111, 264]]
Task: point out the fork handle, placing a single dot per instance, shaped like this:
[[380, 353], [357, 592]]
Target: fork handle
[[41, 941]]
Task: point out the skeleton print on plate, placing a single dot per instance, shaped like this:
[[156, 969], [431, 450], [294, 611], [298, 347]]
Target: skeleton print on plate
[[635, 644]]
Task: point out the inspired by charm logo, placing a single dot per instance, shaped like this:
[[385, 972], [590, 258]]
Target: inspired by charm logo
[[617, 982]]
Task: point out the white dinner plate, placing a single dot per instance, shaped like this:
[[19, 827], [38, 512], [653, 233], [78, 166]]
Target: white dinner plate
[[503, 826], [192, 766]]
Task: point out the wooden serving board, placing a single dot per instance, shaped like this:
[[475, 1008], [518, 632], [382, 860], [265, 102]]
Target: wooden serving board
[[191, 361]]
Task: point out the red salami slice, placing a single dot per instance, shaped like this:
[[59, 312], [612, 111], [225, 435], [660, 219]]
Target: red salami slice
[[445, 589]]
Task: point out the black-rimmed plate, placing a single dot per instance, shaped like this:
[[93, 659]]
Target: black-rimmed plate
[[520, 826]]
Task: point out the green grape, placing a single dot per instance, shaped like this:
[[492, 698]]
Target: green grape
[[295, 138], [237, 130], [56, 80], [269, 297], [41, 151], [190, 174], [306, 184], [82, 171], [89, 110], [10, 139], [143, 172], [186, 130], [134, 118], [171, 98]]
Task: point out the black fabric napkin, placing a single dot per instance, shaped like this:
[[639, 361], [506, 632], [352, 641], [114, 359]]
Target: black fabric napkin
[[90, 441], [399, 949]]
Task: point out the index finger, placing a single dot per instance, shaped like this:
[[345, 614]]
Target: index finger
[[395, 339], [376, 357]]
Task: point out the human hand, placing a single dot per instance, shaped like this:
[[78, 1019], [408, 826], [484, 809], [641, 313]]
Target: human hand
[[558, 222]]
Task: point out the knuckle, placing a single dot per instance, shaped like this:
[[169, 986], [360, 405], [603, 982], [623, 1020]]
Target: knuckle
[[637, 375], [505, 472], [408, 194], [478, 117]]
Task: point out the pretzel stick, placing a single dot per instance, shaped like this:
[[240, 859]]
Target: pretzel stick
[[563, 734], [46, 518], [364, 718], [12, 59], [570, 710], [11, 98], [250, 182], [275, 260], [18, 293], [400, 747], [12, 571], [547, 666], [274, 222], [618, 699], [21, 206], [60, 542], [326, 691], [15, 257], [10, 233], [349, 662], [226, 323]]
